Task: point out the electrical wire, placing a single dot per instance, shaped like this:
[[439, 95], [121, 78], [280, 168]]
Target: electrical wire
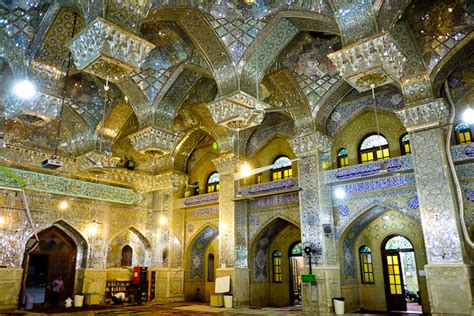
[[30, 221], [61, 111], [453, 169], [372, 86]]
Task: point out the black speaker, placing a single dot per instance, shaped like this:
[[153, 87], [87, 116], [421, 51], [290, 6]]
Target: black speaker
[[327, 229]]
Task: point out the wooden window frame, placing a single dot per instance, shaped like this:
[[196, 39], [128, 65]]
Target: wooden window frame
[[342, 161], [283, 172], [403, 150], [212, 187], [463, 132], [366, 267], [277, 272]]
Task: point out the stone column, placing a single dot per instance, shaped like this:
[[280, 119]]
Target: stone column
[[449, 277], [316, 210], [10, 284], [233, 232], [92, 279], [168, 225]]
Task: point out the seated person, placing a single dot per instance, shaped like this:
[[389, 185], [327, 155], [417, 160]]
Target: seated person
[[118, 298]]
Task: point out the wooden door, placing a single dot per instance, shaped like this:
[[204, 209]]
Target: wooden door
[[296, 264], [61, 264], [394, 286], [60, 252]]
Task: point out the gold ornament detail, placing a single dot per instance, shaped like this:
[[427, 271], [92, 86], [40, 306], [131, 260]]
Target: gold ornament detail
[[376, 79]]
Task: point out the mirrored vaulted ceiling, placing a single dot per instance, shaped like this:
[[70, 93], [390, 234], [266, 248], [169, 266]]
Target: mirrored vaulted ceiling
[[150, 81]]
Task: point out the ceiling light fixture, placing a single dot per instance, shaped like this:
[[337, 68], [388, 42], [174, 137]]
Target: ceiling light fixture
[[24, 89]]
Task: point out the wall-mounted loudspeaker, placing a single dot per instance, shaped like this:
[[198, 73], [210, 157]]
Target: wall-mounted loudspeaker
[[327, 229]]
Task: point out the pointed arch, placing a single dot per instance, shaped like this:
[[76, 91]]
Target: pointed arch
[[69, 230], [457, 55], [195, 252], [141, 247], [260, 137], [348, 235], [260, 246]]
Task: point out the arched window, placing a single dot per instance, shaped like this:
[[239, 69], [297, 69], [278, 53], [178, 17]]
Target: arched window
[[282, 168], [210, 268], [373, 147], [196, 188], [277, 278], [297, 250], [398, 243], [342, 159], [405, 144], [213, 183], [463, 133], [366, 268], [127, 254]]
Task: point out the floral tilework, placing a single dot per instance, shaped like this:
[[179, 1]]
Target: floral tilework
[[343, 210], [401, 163], [198, 249], [413, 202]]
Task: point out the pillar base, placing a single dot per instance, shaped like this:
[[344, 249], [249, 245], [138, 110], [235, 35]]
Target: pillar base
[[169, 285], [239, 284], [449, 288], [328, 286], [90, 281], [10, 284]]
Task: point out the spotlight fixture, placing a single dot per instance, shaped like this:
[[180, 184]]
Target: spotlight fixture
[[245, 170], [24, 89]]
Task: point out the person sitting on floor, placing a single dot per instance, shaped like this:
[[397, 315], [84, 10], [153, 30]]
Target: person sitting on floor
[[118, 298]]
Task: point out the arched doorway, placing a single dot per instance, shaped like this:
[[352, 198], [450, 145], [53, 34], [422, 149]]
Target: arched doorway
[[400, 274], [54, 255], [271, 270], [295, 254], [202, 259]]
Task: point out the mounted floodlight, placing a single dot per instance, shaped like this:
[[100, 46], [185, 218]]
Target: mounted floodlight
[[245, 170], [240, 175], [468, 116], [24, 89]]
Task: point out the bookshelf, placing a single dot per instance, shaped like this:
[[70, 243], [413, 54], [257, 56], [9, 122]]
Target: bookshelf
[[151, 285], [115, 286]]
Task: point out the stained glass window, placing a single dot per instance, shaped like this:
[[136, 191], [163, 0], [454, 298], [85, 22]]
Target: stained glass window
[[213, 183], [281, 162], [398, 243], [297, 250], [282, 168], [373, 141], [374, 147], [366, 267], [463, 133], [342, 159], [405, 144], [277, 277]]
